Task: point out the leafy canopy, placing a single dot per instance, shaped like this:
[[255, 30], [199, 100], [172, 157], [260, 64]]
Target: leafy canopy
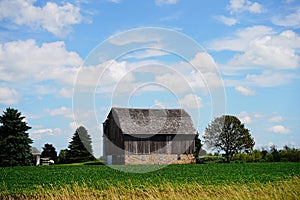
[[228, 134], [49, 151]]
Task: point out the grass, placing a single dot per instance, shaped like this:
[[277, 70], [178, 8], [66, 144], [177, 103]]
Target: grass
[[250, 181]]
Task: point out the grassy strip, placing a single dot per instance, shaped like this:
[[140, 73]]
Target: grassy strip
[[283, 189]]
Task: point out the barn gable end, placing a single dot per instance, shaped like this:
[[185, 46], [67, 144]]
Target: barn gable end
[[148, 136]]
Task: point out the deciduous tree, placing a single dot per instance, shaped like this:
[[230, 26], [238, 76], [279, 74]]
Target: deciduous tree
[[49, 151], [228, 134]]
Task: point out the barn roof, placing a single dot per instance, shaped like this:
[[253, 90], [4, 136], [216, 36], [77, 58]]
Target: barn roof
[[153, 121]]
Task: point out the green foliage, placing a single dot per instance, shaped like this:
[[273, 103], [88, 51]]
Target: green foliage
[[62, 156], [273, 155], [198, 145], [228, 134], [210, 159], [49, 151], [14, 139], [80, 148]]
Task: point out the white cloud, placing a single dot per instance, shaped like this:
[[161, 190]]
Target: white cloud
[[241, 39], [279, 129], [275, 119], [52, 17], [291, 20], [61, 111], [236, 6], [66, 92], [259, 46], [25, 60], [204, 62], [266, 79], [245, 117], [8, 96], [191, 101], [38, 134], [165, 2], [226, 20], [245, 91], [139, 36]]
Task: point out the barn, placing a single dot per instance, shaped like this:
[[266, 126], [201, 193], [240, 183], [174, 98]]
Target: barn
[[148, 136]]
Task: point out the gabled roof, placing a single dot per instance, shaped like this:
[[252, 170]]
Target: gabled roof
[[35, 151], [153, 121]]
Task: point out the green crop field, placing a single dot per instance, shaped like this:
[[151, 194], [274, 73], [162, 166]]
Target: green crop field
[[248, 180]]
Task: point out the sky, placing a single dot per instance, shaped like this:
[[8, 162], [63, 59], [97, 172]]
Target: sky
[[66, 63]]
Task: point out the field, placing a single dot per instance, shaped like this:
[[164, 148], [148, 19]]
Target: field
[[208, 181]]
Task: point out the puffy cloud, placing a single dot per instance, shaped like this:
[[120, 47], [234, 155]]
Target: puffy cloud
[[38, 134], [8, 96], [226, 20], [61, 111], [52, 17], [245, 117], [291, 20], [275, 119], [244, 5], [240, 39], [25, 60], [279, 129], [245, 91], [164, 2], [259, 46], [191, 101]]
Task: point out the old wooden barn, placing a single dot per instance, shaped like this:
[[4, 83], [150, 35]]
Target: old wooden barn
[[148, 136]]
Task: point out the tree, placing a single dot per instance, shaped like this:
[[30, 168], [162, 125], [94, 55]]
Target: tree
[[15, 149], [198, 145], [228, 134], [80, 148], [62, 156], [49, 151]]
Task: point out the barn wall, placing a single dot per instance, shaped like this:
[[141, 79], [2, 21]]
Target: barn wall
[[113, 141], [163, 144], [142, 159]]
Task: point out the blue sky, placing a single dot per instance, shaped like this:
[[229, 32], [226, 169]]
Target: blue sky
[[65, 63]]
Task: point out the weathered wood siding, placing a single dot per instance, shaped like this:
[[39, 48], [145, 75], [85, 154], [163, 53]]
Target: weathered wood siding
[[162, 144], [113, 140]]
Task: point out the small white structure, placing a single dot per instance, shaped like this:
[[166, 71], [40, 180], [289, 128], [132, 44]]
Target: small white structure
[[36, 156]]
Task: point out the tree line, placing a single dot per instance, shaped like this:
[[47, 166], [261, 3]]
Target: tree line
[[15, 143], [226, 135]]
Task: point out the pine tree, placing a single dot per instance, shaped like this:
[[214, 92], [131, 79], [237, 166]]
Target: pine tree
[[80, 148], [15, 149], [49, 151]]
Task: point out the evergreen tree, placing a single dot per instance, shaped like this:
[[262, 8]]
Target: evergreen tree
[[62, 156], [15, 149], [49, 151], [80, 148]]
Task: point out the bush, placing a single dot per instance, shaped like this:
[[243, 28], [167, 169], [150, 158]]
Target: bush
[[210, 159]]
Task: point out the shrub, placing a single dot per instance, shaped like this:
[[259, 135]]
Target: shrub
[[210, 159]]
